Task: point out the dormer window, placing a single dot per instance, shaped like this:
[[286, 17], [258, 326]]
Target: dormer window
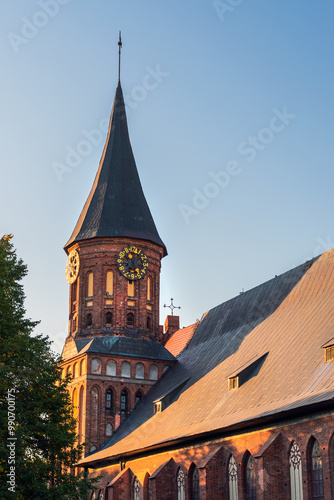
[[329, 351], [157, 407], [233, 383]]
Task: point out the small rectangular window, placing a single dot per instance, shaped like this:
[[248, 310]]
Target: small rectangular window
[[157, 407], [329, 354], [233, 383]]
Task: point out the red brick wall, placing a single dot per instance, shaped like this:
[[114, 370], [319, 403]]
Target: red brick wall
[[99, 256], [270, 449]]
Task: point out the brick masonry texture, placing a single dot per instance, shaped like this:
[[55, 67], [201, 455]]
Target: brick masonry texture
[[269, 447]]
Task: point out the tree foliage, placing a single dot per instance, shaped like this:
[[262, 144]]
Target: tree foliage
[[37, 428]]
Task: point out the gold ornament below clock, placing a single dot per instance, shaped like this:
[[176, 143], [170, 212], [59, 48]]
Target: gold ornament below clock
[[72, 266], [132, 263]]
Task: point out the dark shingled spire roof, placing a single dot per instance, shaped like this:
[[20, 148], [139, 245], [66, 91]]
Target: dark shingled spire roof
[[116, 205]]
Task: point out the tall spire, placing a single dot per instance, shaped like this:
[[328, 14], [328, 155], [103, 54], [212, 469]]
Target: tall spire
[[116, 205]]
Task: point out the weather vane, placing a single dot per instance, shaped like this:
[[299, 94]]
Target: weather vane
[[119, 56], [172, 307]]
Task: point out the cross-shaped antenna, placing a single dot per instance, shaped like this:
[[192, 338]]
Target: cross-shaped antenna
[[119, 56], [172, 307]]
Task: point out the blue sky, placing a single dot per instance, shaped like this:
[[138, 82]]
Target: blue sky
[[230, 112]]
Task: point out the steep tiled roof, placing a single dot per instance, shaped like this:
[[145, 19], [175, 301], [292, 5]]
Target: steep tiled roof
[[116, 205], [284, 323], [180, 339]]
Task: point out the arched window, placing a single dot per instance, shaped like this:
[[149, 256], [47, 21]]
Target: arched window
[[111, 368], [75, 403], [232, 478], [109, 402], [195, 485], [110, 283], [81, 414], [69, 370], [296, 480], [153, 373], [124, 403], [90, 280], [136, 490], [140, 370], [316, 469], [96, 366], [130, 319], [139, 396], [83, 367], [108, 429], [149, 288], [89, 319], [181, 490], [75, 370], [149, 323], [108, 318], [94, 414], [126, 369], [131, 289], [250, 479]]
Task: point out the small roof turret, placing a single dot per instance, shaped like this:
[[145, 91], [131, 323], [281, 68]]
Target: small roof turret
[[116, 205]]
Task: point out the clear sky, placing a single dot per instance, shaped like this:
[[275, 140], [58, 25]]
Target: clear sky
[[230, 112]]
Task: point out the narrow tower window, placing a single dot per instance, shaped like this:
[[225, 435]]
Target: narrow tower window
[[125, 369], [108, 429], [195, 485], [89, 320], [149, 323], [153, 373], [131, 288], [140, 370], [149, 288], [108, 318], [130, 319], [139, 396], [181, 493], [90, 285], [110, 283]]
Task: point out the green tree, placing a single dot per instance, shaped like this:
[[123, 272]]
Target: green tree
[[37, 430]]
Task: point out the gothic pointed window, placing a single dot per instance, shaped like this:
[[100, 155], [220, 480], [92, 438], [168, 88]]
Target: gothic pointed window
[[94, 411], [130, 319], [89, 319], [232, 479], [149, 323], [90, 281], [195, 485], [296, 479], [109, 402], [139, 396], [181, 490], [317, 473], [136, 490], [76, 370], [108, 318], [110, 283], [250, 479], [124, 403], [83, 367], [81, 415]]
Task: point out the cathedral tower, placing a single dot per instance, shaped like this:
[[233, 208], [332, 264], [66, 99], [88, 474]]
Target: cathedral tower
[[113, 349]]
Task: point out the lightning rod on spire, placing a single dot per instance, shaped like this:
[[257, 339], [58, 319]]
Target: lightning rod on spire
[[119, 56]]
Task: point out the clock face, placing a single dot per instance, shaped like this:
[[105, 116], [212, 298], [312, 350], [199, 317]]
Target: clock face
[[132, 262], [72, 266]]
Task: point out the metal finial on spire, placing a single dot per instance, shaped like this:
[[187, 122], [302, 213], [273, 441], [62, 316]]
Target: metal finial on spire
[[119, 56], [172, 307]]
